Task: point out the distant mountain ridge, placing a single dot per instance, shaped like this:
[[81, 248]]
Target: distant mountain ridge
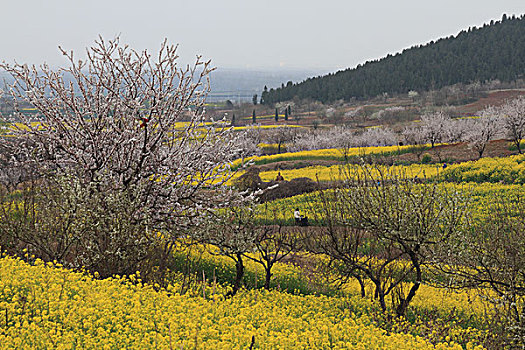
[[494, 51]]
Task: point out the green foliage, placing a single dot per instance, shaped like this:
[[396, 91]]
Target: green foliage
[[426, 159]]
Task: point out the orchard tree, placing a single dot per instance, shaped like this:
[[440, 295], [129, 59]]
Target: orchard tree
[[483, 129], [111, 122], [286, 107], [336, 137], [274, 242], [490, 257], [376, 137], [434, 127], [456, 130], [231, 232], [383, 227], [416, 137], [513, 118], [246, 142], [281, 135]]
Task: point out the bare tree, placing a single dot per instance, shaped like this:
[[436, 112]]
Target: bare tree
[[275, 241], [281, 135], [383, 227], [112, 122], [231, 232]]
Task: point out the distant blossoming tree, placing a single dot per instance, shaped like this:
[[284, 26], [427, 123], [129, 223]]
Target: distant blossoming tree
[[434, 127], [482, 130], [513, 113]]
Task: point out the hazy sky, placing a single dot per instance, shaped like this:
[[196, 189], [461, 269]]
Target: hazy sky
[[302, 34]]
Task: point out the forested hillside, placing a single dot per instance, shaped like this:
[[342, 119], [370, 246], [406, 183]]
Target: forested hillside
[[494, 51]]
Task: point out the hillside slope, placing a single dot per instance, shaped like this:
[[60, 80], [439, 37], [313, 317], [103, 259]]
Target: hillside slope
[[494, 51]]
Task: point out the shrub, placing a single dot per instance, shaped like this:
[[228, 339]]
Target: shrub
[[426, 159]]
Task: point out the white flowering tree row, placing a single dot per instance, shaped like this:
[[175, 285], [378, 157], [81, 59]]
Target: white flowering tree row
[[432, 128]]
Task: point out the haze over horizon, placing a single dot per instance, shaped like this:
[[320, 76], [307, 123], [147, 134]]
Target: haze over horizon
[[272, 35]]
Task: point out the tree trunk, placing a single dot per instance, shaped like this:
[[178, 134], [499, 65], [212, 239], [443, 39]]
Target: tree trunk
[[403, 305], [164, 255], [239, 267], [380, 294], [362, 284], [268, 277]]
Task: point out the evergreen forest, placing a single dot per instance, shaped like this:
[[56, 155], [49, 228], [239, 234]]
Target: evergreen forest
[[493, 51]]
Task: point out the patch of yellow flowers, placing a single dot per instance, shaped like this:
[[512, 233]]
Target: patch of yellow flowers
[[325, 154], [336, 172], [507, 170], [47, 307]]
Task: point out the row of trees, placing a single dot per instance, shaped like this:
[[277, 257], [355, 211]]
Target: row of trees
[[392, 234], [507, 120], [343, 138]]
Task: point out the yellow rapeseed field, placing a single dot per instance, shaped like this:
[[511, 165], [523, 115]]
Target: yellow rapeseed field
[[336, 172], [325, 154], [46, 307]]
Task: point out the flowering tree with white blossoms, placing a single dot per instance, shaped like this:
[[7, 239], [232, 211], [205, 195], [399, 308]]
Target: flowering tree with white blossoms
[[434, 126], [513, 113], [281, 136], [483, 129], [113, 123], [380, 136], [336, 137]]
